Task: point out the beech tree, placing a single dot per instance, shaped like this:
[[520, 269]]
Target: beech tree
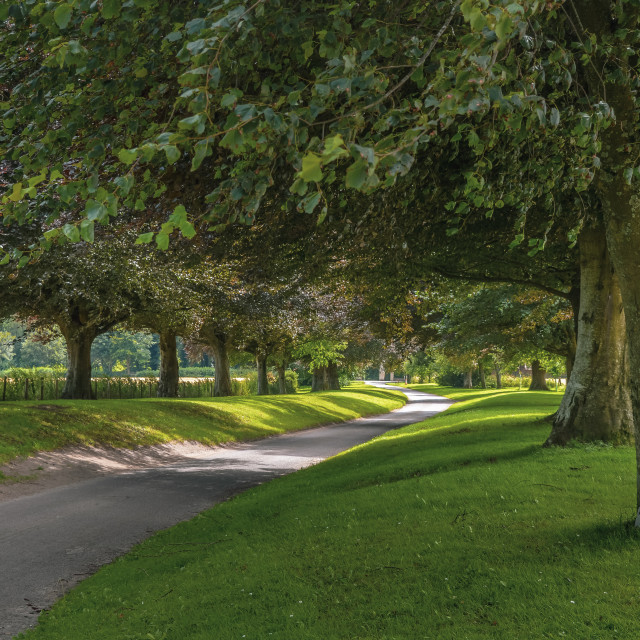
[[84, 290], [538, 96]]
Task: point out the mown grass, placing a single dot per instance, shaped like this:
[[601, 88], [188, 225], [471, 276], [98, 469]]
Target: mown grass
[[461, 527], [28, 427]]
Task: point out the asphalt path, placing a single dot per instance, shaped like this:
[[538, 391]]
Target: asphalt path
[[51, 540]]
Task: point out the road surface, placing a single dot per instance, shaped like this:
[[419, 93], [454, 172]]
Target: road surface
[[51, 540]]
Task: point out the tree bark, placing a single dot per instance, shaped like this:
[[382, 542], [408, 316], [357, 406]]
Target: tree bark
[[169, 379], [79, 339], [498, 377], [282, 383], [483, 381], [381, 373], [468, 379], [621, 200], [263, 383], [597, 403], [219, 345], [538, 377], [331, 377], [622, 212], [318, 377]]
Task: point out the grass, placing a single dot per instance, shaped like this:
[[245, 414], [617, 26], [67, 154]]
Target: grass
[[461, 527], [29, 427]]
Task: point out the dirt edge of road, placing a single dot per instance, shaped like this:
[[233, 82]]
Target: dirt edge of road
[[50, 469]]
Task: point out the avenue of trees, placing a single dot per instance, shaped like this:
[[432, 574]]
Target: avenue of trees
[[291, 159]]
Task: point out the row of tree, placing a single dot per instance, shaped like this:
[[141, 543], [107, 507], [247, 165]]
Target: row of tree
[[474, 140]]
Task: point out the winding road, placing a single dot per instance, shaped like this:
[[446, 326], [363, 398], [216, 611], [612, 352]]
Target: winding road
[[51, 540]]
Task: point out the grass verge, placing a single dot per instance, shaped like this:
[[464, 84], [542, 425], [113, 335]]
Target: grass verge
[[28, 427], [461, 527]]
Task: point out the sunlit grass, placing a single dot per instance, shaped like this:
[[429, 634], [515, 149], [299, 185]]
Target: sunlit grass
[[461, 527], [27, 427]]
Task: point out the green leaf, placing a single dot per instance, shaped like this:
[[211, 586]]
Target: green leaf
[[179, 216], [162, 240], [357, 174], [311, 202], [554, 118], [196, 122], [334, 147], [128, 156], [504, 26], [87, 230], [515, 8], [201, 150], [110, 8], [187, 230], [233, 140], [174, 36], [72, 232], [477, 20], [5, 260], [145, 238], [172, 152], [229, 101], [62, 15], [311, 168], [96, 211]]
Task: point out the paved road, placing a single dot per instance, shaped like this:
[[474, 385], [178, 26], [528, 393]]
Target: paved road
[[54, 539]]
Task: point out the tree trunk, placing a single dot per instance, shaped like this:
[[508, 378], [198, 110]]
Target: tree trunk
[[538, 377], [483, 381], [381, 372], [392, 376], [331, 377], [169, 379], [569, 360], [282, 383], [219, 345], [621, 200], [498, 377], [597, 403], [263, 383], [318, 379], [468, 379], [623, 239], [79, 339]]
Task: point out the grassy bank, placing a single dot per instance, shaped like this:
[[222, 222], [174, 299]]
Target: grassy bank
[[461, 527], [26, 428]]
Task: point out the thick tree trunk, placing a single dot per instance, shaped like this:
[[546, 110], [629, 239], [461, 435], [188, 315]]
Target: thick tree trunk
[[569, 360], [597, 403], [621, 200], [468, 379], [538, 377], [169, 379], [483, 381], [318, 377], [79, 339], [332, 381], [263, 383], [622, 208], [381, 373], [282, 383], [498, 377], [219, 345]]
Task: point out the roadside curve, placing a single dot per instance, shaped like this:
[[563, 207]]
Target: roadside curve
[[51, 540]]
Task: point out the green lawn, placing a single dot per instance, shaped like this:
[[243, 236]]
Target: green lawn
[[28, 427], [459, 527]]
